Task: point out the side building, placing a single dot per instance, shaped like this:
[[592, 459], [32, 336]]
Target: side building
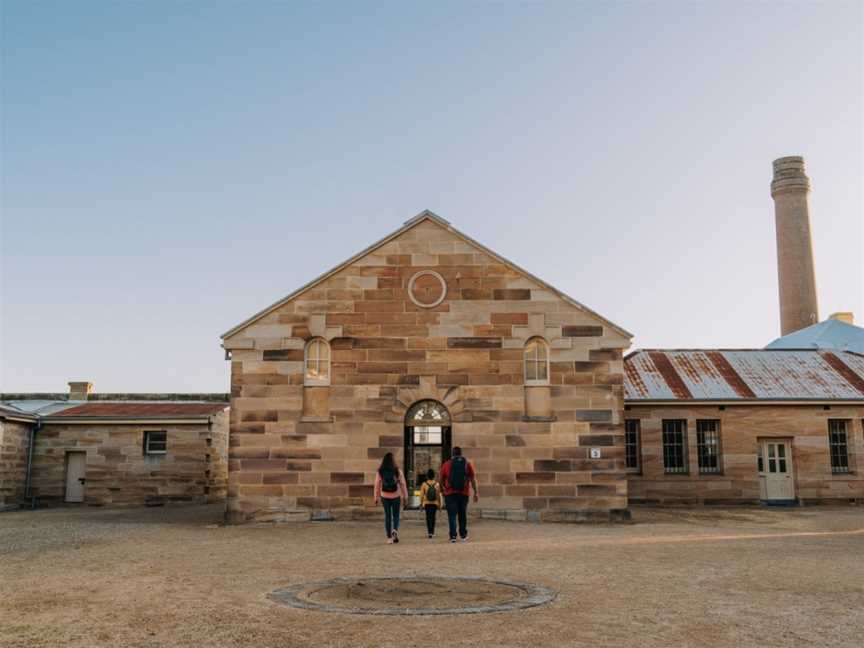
[[744, 426], [425, 341], [112, 449]]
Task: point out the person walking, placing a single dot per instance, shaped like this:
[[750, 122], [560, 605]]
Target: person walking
[[392, 491], [430, 498], [457, 474]]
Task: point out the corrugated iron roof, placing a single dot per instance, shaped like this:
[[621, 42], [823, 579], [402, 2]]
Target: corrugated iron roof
[[743, 374], [142, 410]]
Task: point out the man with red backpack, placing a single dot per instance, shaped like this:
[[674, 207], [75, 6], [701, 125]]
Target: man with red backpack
[[457, 474]]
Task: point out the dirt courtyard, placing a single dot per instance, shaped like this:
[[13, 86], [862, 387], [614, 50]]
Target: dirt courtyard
[[175, 577]]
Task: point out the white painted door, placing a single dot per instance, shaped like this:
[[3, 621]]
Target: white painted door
[[775, 471], [76, 470]]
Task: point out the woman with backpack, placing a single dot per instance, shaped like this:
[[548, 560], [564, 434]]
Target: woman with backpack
[[431, 500], [391, 489]]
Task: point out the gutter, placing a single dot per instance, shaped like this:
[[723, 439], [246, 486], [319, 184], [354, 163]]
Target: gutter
[[741, 401], [150, 420]]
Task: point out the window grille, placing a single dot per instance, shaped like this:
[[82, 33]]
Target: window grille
[[536, 358], [317, 361], [632, 445], [708, 445], [155, 443], [838, 442], [675, 446]]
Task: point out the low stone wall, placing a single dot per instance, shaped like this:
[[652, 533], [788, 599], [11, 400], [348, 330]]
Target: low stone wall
[[194, 469], [14, 441], [741, 427]]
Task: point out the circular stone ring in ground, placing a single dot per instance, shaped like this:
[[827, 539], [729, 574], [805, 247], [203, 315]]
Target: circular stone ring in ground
[[420, 595]]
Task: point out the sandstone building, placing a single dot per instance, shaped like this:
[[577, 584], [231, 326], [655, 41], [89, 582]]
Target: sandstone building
[[118, 449], [744, 426], [423, 341]]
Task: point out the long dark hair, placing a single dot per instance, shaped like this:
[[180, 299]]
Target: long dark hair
[[388, 463]]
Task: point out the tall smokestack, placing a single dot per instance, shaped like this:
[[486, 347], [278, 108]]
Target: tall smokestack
[[797, 278]]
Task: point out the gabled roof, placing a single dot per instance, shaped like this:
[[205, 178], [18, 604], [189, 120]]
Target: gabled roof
[[743, 375], [409, 224], [830, 334]]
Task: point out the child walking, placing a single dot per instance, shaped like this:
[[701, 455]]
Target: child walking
[[430, 497], [391, 489]]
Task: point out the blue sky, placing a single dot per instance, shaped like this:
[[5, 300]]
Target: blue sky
[[170, 168]]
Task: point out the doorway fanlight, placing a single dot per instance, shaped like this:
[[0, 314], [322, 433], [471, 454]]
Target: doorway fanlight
[[427, 412]]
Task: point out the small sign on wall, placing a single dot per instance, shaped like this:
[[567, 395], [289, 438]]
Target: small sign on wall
[[594, 453]]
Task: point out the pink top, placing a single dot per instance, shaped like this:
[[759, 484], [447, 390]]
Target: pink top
[[402, 491]]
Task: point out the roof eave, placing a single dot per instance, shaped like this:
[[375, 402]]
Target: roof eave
[[129, 420], [744, 401]]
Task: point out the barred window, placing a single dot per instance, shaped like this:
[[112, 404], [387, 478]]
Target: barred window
[[632, 445], [708, 446], [155, 443], [838, 443], [675, 446]]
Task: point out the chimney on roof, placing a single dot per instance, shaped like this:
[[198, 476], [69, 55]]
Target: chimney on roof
[[844, 316], [80, 390], [797, 278]]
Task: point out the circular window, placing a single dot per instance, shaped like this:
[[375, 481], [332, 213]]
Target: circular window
[[427, 289]]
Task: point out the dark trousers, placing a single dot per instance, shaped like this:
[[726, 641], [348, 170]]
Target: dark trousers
[[391, 514], [457, 507], [431, 512]]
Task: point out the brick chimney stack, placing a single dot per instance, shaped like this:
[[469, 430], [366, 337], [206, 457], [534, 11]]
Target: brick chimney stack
[[80, 390], [797, 278]]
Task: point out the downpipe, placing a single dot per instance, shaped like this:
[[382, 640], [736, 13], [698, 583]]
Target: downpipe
[[28, 487]]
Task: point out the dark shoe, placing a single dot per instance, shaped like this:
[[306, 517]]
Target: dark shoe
[[395, 536], [453, 540]]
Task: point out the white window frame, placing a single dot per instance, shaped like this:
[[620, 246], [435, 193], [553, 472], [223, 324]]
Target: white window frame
[[148, 439], [314, 344], [535, 361]]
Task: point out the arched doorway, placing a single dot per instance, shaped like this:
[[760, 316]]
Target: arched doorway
[[428, 439]]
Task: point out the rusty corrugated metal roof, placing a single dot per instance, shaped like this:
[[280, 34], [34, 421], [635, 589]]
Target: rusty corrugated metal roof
[[743, 374], [142, 410]]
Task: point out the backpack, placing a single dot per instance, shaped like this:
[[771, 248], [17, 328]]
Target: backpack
[[389, 481], [431, 492], [458, 473]]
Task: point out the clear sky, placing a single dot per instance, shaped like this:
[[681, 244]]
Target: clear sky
[[169, 168]]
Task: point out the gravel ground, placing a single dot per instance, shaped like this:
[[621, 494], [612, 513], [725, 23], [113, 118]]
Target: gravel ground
[[174, 577]]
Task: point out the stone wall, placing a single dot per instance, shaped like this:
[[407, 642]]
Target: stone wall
[[14, 441], [741, 426], [296, 450], [119, 473], [218, 458]]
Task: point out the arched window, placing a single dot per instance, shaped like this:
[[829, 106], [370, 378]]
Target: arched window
[[317, 362], [536, 359]]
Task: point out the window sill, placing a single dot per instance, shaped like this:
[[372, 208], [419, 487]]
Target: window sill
[[316, 419], [539, 419]]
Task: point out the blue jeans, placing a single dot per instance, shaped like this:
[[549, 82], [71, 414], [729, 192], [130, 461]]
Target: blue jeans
[[391, 514], [457, 508]]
